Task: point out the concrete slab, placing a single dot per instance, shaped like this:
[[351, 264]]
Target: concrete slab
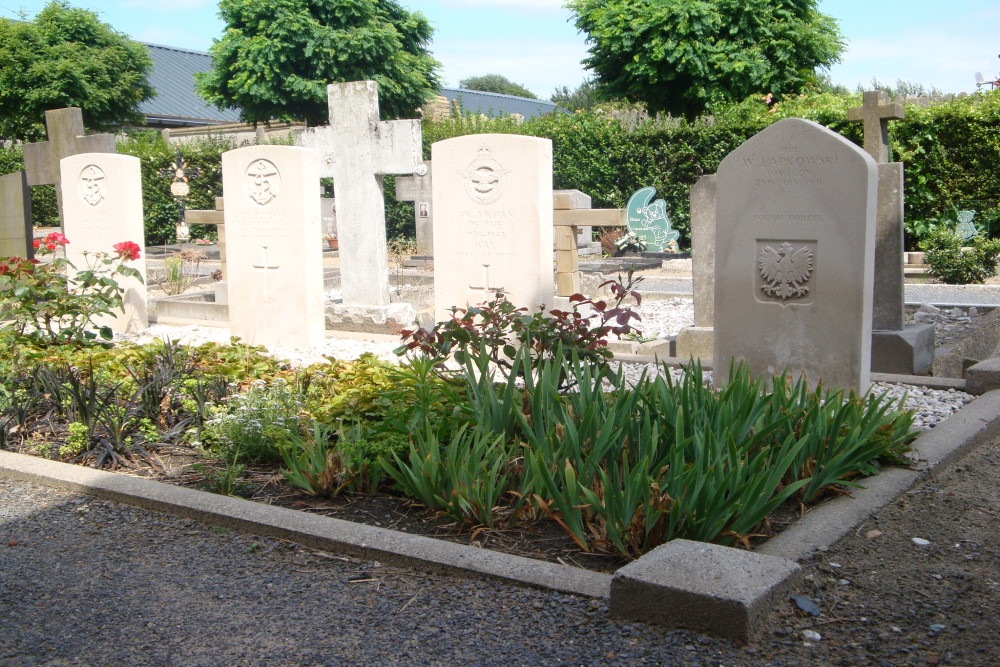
[[705, 587]]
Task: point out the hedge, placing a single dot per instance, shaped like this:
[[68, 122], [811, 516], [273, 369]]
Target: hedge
[[951, 151]]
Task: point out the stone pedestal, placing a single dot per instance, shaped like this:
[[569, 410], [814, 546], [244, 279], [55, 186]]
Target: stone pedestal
[[387, 319], [695, 343], [907, 351]]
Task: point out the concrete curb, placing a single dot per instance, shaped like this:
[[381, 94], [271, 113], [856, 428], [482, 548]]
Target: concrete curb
[[649, 590], [318, 532], [731, 597]]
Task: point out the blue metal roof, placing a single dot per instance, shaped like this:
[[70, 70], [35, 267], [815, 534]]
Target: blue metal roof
[[495, 104], [176, 103]]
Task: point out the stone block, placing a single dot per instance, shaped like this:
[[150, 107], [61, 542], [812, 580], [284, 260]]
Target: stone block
[[695, 343], [703, 587], [983, 377], [909, 351]]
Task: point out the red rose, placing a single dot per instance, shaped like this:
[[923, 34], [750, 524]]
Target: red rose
[[127, 250]]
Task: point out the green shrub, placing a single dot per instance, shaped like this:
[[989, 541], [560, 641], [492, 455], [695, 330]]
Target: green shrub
[[256, 425], [957, 262]]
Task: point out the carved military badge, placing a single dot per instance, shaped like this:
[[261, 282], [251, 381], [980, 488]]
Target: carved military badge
[[263, 182], [93, 184], [785, 270], [485, 178]]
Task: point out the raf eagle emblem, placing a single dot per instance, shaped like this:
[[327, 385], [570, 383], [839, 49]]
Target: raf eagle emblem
[[785, 271]]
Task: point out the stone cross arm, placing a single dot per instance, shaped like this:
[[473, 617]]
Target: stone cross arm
[[876, 111], [66, 137]]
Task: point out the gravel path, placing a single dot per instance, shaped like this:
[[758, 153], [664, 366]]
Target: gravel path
[[87, 582]]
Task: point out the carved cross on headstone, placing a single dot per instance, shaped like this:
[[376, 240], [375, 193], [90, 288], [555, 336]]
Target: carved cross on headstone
[[488, 290], [66, 137], [876, 111], [356, 149], [417, 189], [264, 267]]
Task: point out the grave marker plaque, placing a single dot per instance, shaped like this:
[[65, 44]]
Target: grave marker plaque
[[795, 243], [492, 221], [274, 261], [102, 206]]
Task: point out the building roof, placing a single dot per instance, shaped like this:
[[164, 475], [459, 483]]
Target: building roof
[[176, 103], [496, 104]]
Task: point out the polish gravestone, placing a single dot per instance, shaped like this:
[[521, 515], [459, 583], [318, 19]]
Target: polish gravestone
[[274, 258], [102, 206], [492, 221], [795, 244]]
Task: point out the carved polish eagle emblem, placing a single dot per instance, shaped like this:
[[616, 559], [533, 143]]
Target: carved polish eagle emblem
[[785, 271]]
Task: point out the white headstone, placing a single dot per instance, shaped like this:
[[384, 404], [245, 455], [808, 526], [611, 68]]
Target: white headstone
[[274, 260], [795, 248], [355, 150], [492, 220], [102, 206]]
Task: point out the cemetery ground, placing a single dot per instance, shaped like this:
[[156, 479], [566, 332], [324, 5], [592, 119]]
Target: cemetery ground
[[117, 584]]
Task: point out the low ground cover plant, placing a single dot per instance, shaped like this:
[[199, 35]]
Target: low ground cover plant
[[529, 427]]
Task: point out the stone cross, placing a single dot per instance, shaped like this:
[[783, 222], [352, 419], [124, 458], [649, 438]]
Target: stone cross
[[876, 111], [66, 137], [264, 267], [356, 149], [418, 190], [487, 289]]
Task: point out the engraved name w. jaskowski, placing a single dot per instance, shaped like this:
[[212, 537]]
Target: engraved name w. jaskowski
[[785, 271]]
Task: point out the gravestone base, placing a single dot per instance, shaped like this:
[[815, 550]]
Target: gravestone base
[[704, 587], [908, 351], [665, 255], [222, 293], [695, 343], [387, 319]]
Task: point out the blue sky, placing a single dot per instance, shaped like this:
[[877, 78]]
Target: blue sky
[[534, 43]]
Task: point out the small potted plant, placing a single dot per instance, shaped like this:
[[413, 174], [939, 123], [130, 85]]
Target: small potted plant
[[331, 241]]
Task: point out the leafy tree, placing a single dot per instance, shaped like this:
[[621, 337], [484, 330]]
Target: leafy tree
[[681, 56], [67, 57], [581, 99], [277, 57], [496, 83]]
